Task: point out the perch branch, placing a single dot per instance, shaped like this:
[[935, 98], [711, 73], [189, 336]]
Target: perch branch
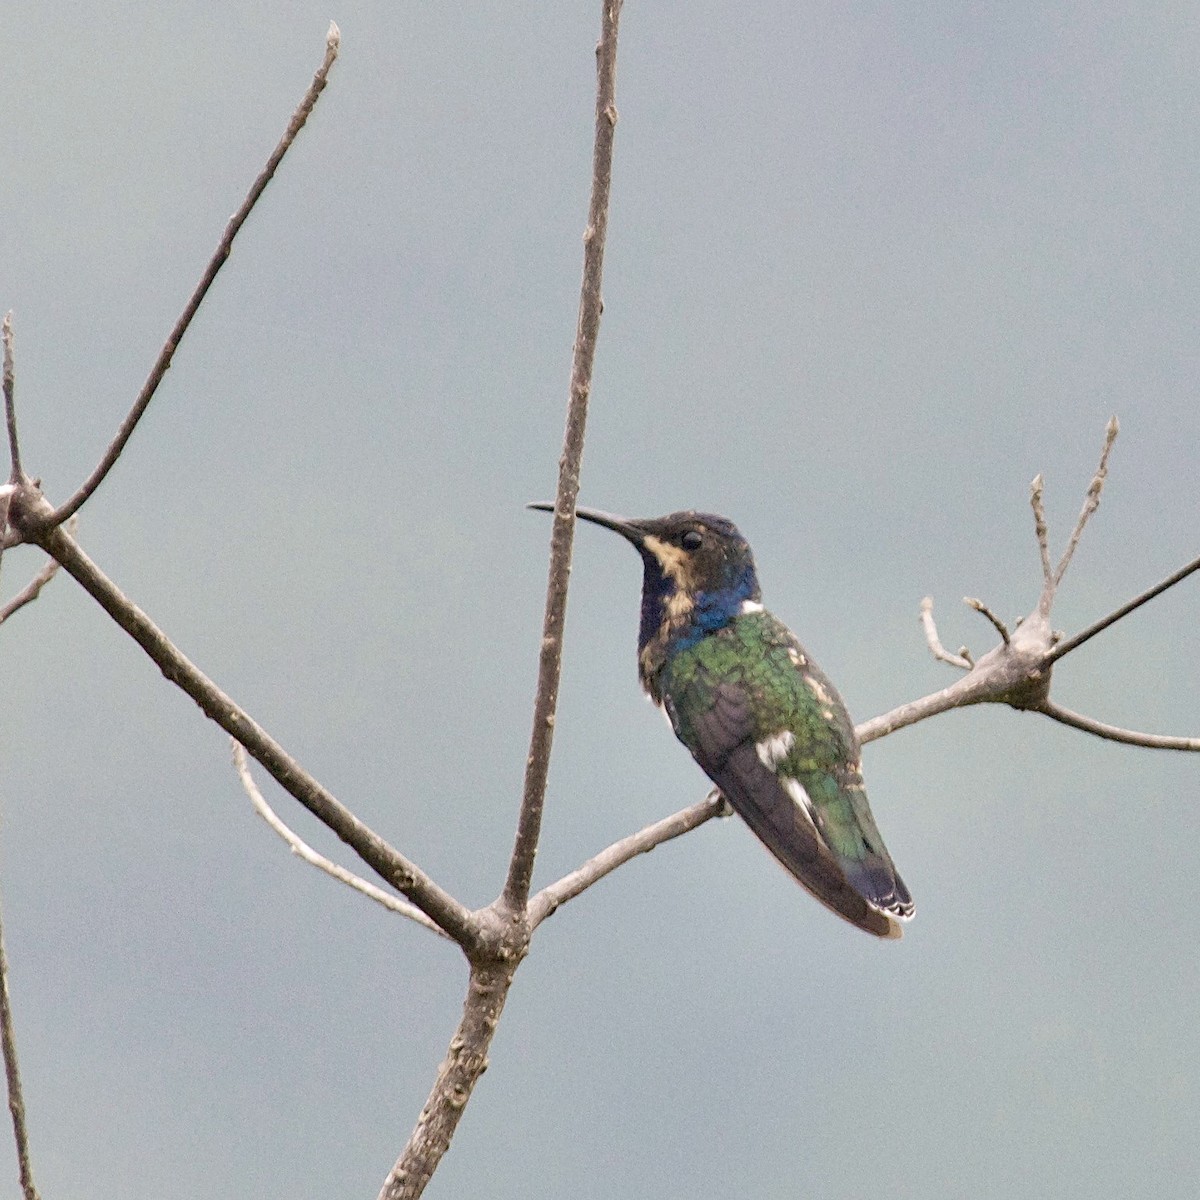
[[520, 871], [224, 246], [1152, 741], [304, 851], [1005, 675], [970, 689], [1018, 673], [12, 1073], [550, 898], [392, 866]]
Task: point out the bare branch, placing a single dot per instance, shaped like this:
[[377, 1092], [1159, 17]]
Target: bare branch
[[962, 659], [491, 975], [520, 871], [1017, 673], [304, 851], [1072, 643], [1091, 501], [1152, 741], [402, 874], [224, 246], [16, 475], [979, 606], [12, 1073], [550, 898]]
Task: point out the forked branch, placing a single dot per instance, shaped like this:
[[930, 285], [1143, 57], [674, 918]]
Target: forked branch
[[997, 676], [387, 862], [35, 521]]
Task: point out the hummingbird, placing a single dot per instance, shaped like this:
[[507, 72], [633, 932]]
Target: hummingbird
[[758, 715]]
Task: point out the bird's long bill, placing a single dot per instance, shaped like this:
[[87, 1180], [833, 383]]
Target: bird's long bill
[[627, 529]]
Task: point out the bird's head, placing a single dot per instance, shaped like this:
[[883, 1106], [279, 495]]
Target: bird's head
[[698, 570]]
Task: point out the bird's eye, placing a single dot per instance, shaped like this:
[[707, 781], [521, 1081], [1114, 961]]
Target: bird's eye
[[691, 540]]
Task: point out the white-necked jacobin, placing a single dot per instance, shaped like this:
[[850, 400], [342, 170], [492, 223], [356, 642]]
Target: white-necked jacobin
[[758, 715]]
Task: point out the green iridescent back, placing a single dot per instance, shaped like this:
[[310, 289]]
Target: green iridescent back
[[784, 691]]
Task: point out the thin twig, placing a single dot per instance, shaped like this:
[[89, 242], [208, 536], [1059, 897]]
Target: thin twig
[[1036, 500], [12, 1073], [33, 588], [1152, 741], [1091, 501], [299, 117], [520, 871], [962, 659], [979, 606], [304, 851], [392, 866], [29, 592], [1072, 643], [16, 475]]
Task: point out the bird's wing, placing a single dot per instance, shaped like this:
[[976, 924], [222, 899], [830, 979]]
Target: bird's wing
[[720, 732]]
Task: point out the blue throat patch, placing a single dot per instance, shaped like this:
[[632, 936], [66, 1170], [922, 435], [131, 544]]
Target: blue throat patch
[[711, 610]]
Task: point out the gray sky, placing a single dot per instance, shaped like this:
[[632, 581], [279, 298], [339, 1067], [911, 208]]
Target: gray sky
[[871, 268]]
